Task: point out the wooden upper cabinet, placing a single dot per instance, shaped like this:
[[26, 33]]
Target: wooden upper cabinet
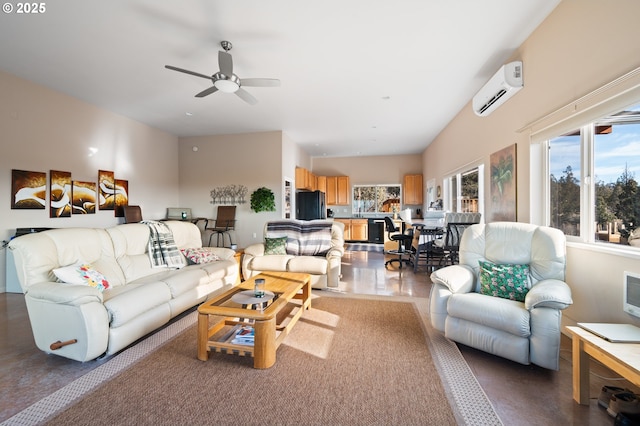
[[322, 184], [338, 191], [305, 179], [342, 193], [412, 193]]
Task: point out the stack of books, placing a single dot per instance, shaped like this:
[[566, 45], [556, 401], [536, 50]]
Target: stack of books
[[244, 336]]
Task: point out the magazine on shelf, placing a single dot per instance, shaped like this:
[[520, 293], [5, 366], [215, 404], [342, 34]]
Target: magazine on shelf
[[244, 336]]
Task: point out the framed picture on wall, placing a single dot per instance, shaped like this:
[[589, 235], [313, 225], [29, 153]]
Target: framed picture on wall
[[106, 190], [59, 194], [84, 197], [121, 196], [503, 185], [28, 189]]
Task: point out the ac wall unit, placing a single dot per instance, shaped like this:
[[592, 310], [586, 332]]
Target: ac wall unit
[[502, 86]]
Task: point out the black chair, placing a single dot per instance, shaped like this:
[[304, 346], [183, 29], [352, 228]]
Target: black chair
[[404, 243], [225, 222], [448, 251]]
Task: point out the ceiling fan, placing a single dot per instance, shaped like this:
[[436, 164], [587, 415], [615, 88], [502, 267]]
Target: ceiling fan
[[226, 81]]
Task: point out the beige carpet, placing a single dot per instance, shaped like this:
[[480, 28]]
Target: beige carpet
[[348, 361]]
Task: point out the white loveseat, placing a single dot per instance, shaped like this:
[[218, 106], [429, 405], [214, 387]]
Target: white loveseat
[[138, 300], [523, 331], [324, 268]]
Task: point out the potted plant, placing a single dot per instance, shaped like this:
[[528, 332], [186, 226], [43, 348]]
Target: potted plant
[[263, 200]]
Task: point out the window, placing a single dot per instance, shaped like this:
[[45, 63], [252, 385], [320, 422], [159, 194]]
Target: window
[[376, 198], [464, 191], [593, 172]]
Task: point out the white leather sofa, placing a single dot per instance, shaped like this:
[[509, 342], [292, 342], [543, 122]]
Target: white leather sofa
[[325, 269], [526, 331], [139, 299]]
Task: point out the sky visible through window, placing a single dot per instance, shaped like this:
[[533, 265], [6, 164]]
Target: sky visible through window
[[613, 152]]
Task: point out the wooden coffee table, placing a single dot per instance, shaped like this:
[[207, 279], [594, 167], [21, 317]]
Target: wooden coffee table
[[220, 317]]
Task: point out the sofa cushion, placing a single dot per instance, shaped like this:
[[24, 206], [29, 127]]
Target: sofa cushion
[[508, 281], [127, 302], [308, 264], [274, 262], [276, 245], [494, 312], [82, 273]]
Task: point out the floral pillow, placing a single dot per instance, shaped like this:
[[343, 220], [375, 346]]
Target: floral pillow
[[275, 245], [507, 281], [82, 273], [199, 255]]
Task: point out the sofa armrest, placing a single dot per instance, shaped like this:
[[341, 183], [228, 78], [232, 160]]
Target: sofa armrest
[[550, 293], [255, 250], [457, 278], [335, 251], [65, 294]]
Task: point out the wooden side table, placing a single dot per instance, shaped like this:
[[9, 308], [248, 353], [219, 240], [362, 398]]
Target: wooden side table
[[619, 357]]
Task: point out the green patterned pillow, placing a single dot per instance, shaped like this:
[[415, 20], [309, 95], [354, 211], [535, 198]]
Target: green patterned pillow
[[507, 281], [275, 245]]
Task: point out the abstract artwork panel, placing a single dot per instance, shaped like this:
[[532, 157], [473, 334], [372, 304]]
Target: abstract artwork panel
[[106, 188], [59, 194], [121, 196], [28, 189], [84, 197], [503, 185]]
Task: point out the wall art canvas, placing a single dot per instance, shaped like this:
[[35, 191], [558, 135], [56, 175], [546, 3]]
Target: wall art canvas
[[84, 195], [59, 194], [106, 188], [121, 196], [503, 185], [28, 189]]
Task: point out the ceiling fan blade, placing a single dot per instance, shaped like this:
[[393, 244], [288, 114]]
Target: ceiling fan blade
[[226, 63], [197, 74], [260, 82], [246, 96], [207, 92]]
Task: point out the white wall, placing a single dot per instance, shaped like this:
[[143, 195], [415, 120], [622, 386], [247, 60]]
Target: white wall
[[43, 130], [581, 46], [250, 159]]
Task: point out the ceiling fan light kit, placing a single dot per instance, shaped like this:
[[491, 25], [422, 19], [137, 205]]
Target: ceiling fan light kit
[[226, 81]]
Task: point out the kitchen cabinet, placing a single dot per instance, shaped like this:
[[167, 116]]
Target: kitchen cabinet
[[321, 183], [338, 190], [305, 179], [359, 229], [355, 229], [412, 190]]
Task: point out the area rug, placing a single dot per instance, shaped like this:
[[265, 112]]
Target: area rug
[[348, 361]]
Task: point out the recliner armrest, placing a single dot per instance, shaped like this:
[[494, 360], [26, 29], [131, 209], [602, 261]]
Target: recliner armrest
[[549, 293], [255, 250], [65, 294], [457, 278], [335, 251]]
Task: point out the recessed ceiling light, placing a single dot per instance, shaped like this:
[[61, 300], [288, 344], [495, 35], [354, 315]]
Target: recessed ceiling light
[[188, 114], [386, 98]]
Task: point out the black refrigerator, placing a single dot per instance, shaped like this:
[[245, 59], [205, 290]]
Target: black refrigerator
[[310, 205]]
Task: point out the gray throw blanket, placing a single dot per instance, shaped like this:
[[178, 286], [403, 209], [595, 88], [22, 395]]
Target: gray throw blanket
[[163, 251]]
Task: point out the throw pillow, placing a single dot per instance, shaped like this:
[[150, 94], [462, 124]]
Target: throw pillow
[[199, 255], [507, 281], [82, 273], [275, 245]]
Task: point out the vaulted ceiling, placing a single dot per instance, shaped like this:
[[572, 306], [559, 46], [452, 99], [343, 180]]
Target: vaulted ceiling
[[358, 77]]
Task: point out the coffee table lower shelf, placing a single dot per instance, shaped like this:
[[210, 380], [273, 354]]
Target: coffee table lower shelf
[[222, 331], [220, 317]]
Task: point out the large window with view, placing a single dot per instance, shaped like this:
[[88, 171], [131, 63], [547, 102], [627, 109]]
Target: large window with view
[[464, 191], [593, 179], [371, 199]]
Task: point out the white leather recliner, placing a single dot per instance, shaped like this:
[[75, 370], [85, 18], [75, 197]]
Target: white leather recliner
[[526, 331]]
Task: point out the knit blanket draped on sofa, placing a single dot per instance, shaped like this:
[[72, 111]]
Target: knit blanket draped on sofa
[[304, 238]]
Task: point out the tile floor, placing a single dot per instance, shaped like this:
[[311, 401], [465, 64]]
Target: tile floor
[[521, 395]]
